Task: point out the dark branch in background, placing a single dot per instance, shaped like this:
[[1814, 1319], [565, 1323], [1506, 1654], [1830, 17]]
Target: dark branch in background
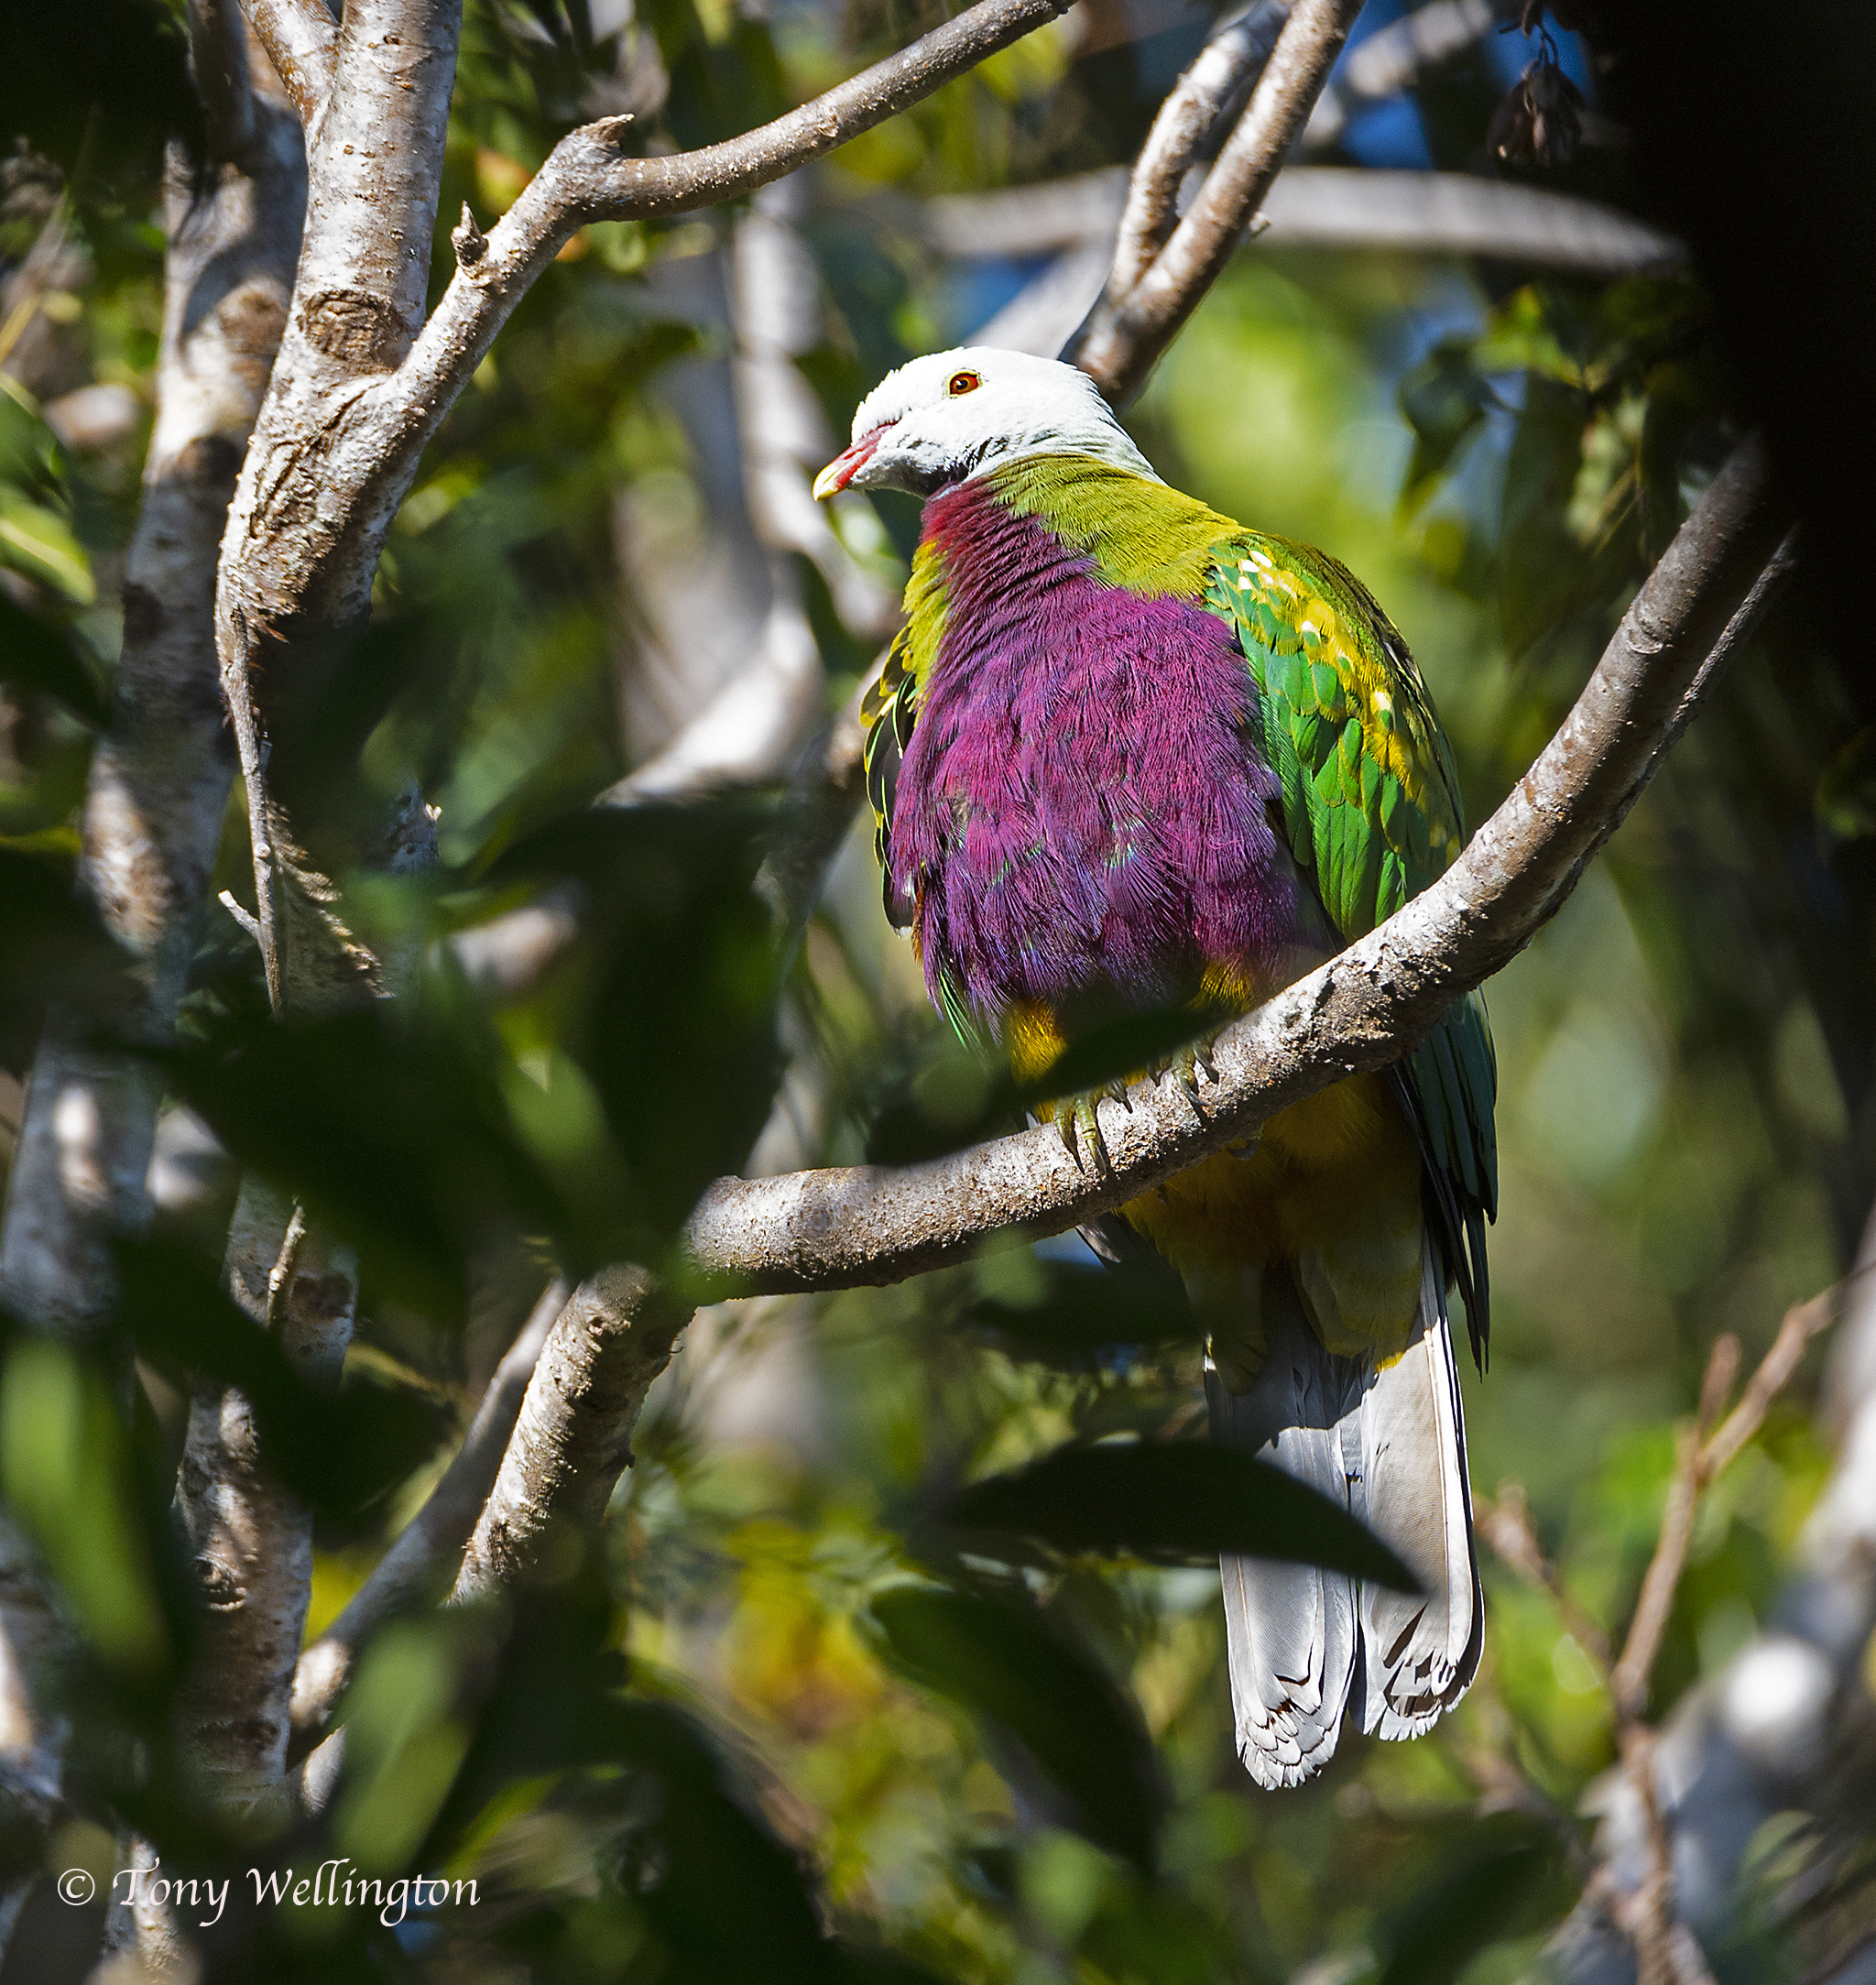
[[218, 60], [1130, 334], [837, 1228]]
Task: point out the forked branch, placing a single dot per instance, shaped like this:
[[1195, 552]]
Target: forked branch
[[1131, 332]]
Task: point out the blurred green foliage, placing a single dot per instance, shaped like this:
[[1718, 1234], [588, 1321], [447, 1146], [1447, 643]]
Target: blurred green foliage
[[778, 1721]]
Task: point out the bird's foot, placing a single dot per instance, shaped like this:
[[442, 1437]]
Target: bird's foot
[[1077, 1118], [1191, 1062], [1187, 1065]]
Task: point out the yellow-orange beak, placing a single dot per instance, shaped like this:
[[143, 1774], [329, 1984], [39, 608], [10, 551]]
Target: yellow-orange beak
[[841, 471]]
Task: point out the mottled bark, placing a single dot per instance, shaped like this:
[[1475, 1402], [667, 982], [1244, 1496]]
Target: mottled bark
[[250, 1539]]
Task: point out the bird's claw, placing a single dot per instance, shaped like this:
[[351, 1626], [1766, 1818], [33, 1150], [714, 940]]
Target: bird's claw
[[1186, 1066], [1078, 1119], [1192, 1061]]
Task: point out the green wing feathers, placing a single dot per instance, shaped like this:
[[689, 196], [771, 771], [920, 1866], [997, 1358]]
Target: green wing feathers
[[1371, 813]]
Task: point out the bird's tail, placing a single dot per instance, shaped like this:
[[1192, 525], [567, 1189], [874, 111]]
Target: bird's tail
[[1305, 1643]]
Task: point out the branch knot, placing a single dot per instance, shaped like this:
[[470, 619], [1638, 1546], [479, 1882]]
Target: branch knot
[[469, 242]]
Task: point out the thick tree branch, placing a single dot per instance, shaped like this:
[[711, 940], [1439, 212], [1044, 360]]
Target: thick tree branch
[[441, 1526], [301, 38], [1122, 344], [874, 1225], [574, 1435]]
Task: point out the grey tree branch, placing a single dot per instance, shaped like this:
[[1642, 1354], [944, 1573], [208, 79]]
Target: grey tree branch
[[874, 1225], [1238, 49], [1122, 344], [441, 1526], [588, 178], [250, 1539], [289, 568], [301, 38], [574, 1435], [1326, 207]]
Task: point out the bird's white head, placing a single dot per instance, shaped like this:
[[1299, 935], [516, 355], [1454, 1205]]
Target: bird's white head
[[953, 414]]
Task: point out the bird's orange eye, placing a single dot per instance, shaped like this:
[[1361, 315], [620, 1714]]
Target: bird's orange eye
[[962, 382]]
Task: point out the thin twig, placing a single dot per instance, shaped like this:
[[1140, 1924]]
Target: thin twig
[[281, 1276], [1802, 1323], [1505, 1524], [1667, 1952], [1701, 1454]]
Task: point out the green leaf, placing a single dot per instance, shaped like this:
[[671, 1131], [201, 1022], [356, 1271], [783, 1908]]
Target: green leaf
[[1444, 399], [38, 542], [1086, 1310], [1175, 1501], [1493, 1892], [341, 1453], [1000, 1659], [677, 1033], [35, 656], [389, 1126], [1846, 798]]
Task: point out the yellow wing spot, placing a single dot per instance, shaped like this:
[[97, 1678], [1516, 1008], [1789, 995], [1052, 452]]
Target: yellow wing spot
[[1034, 1040], [1227, 983], [1319, 619]]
